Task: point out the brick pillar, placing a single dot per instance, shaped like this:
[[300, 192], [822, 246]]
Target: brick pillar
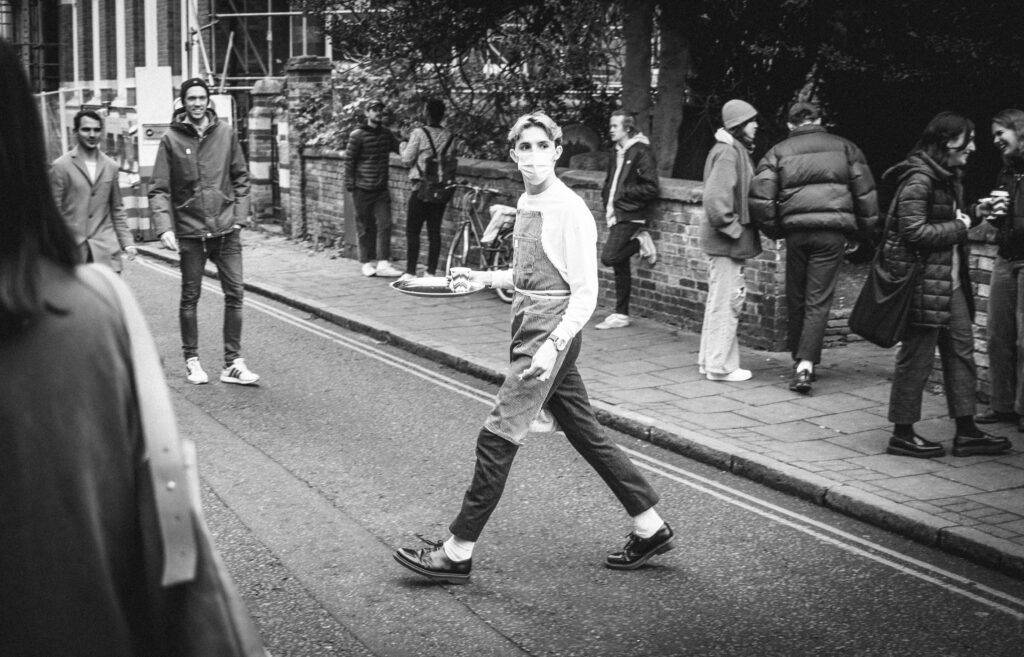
[[305, 76], [262, 164]]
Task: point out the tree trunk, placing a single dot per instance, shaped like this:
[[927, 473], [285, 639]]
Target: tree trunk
[[637, 28], [674, 68]]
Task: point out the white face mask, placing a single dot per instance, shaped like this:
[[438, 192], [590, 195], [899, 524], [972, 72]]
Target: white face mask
[[535, 167]]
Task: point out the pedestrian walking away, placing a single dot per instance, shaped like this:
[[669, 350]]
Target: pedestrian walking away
[[815, 190], [729, 238], [629, 195], [430, 154], [88, 195], [199, 197], [929, 226], [1004, 209], [554, 275], [366, 177]]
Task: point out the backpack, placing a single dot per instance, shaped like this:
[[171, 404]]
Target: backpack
[[438, 173]]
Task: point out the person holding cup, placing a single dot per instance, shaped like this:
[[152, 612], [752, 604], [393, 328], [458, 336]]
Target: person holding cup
[[1004, 208]]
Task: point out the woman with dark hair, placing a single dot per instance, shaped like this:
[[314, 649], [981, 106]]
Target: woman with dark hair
[[1006, 290], [928, 226], [77, 549]]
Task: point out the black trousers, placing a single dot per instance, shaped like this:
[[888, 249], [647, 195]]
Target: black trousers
[[420, 213], [571, 407], [373, 223], [616, 254], [813, 259]]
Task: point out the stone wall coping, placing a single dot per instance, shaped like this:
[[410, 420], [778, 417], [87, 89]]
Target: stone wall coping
[[308, 63], [268, 87], [672, 189]]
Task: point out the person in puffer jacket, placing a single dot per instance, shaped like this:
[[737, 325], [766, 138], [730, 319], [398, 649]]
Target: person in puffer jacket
[[928, 225], [814, 189], [1005, 328], [199, 196]]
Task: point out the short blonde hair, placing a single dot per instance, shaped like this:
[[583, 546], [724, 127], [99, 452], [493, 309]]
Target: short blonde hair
[[535, 120]]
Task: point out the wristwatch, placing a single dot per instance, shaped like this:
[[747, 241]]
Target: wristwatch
[[559, 342]]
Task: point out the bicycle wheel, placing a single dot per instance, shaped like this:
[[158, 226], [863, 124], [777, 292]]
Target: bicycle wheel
[[464, 251], [502, 259]]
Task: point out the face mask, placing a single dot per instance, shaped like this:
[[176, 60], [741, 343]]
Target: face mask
[[535, 167]]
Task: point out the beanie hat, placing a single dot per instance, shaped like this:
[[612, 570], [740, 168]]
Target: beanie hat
[[193, 82], [803, 111], [736, 112]]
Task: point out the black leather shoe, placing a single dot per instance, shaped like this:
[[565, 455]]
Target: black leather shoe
[[434, 564], [915, 446], [638, 550], [801, 382], [992, 417], [981, 444]]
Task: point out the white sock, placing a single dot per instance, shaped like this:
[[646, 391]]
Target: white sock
[[805, 365], [646, 524], [458, 550]]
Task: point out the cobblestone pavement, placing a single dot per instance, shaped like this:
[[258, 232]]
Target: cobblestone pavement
[[829, 446]]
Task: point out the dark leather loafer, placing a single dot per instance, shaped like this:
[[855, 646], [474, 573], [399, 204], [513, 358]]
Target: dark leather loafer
[[801, 382], [992, 417], [638, 550], [980, 444], [915, 446], [434, 564]]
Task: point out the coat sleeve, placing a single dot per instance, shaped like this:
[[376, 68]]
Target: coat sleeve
[[862, 189], [240, 182], [720, 196], [160, 191], [644, 187], [764, 190], [353, 150], [411, 152], [912, 207], [58, 183], [117, 213]]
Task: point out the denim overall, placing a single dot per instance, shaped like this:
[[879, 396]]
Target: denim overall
[[542, 296]]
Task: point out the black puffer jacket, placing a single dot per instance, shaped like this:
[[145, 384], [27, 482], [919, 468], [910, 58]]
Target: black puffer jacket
[[637, 190], [367, 163], [1010, 239], [813, 180], [924, 225]]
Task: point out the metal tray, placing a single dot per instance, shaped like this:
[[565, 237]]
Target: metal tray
[[433, 286]]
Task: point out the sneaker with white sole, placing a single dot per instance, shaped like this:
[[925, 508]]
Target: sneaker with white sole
[[738, 374], [406, 277], [238, 373], [647, 250], [387, 270], [615, 320], [194, 372], [369, 269]]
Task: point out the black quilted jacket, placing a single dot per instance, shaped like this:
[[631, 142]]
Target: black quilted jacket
[[924, 225], [367, 163]]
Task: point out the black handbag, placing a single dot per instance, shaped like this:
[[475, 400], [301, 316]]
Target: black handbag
[[883, 307]]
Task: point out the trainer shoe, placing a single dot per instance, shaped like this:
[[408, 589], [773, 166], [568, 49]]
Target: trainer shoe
[[406, 277], [194, 371], [385, 269], [615, 320], [369, 269], [647, 250], [738, 374], [238, 373]]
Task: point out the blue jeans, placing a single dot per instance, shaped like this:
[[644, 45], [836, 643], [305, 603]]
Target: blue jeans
[[225, 252]]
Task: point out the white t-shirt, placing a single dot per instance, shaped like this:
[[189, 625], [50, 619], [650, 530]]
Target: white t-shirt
[[569, 240], [90, 166]]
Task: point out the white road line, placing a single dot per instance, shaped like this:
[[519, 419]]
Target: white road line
[[924, 571]]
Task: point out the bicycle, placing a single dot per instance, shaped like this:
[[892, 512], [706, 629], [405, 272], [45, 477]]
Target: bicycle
[[467, 248]]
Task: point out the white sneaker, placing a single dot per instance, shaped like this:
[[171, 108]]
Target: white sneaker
[[647, 250], [615, 320], [238, 373], [406, 277], [385, 269], [369, 269], [738, 374], [194, 371]]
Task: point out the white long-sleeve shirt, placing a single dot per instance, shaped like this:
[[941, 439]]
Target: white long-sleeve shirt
[[569, 240]]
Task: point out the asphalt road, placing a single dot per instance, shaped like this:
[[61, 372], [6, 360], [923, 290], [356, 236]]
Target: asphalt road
[[349, 448]]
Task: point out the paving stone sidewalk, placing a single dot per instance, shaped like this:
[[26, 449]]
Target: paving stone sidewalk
[[828, 447]]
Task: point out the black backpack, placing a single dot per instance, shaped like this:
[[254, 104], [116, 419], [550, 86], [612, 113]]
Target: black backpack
[[438, 173]]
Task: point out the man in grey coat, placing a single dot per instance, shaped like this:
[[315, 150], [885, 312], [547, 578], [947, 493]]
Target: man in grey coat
[[88, 194]]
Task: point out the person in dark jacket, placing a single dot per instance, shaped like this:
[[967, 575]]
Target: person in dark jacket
[[729, 238], [366, 176], [199, 197], [1005, 305], [814, 189], [929, 225], [629, 195]]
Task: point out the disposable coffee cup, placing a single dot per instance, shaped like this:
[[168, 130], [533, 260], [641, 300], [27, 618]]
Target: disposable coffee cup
[[459, 279]]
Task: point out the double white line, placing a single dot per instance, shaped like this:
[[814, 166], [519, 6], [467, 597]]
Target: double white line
[[957, 584]]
